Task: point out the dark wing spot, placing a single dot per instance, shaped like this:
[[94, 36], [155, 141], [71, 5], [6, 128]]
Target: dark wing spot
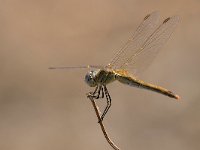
[[166, 20], [147, 16]]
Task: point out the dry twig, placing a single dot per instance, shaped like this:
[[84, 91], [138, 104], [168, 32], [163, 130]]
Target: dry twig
[[101, 123]]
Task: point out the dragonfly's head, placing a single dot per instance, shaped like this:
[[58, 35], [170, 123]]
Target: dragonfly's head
[[89, 78]]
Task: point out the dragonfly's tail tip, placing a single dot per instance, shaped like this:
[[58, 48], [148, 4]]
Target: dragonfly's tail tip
[[177, 97]]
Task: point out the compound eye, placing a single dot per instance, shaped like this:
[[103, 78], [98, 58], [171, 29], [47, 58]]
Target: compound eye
[[89, 78]]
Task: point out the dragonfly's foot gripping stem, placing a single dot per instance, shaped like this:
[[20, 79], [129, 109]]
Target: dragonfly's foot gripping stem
[[101, 90]]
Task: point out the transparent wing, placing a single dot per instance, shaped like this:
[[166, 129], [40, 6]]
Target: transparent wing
[[142, 33], [140, 59], [78, 67]]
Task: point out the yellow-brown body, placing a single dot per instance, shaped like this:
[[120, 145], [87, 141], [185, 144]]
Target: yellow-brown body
[[104, 77]]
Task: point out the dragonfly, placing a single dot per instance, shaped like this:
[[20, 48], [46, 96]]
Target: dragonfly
[[132, 59]]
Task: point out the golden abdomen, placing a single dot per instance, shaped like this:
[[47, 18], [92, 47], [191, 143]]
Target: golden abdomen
[[126, 79]]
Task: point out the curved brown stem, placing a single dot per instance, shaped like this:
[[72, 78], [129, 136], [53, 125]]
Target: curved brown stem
[[101, 123]]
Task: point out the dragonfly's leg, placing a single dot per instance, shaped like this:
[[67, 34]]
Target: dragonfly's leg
[[108, 101], [102, 92], [92, 94], [108, 98], [97, 92]]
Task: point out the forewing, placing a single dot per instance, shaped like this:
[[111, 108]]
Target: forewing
[[135, 42], [138, 61]]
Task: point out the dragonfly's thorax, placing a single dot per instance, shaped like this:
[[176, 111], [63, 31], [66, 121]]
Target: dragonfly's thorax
[[99, 77]]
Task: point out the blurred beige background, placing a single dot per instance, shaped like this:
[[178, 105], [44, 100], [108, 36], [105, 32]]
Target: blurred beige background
[[41, 109]]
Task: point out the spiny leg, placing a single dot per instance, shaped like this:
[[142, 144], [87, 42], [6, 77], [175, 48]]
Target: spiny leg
[[97, 92], [108, 98], [102, 92], [108, 101], [92, 94]]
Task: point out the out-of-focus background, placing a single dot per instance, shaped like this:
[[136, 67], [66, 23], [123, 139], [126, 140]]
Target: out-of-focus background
[[48, 109]]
